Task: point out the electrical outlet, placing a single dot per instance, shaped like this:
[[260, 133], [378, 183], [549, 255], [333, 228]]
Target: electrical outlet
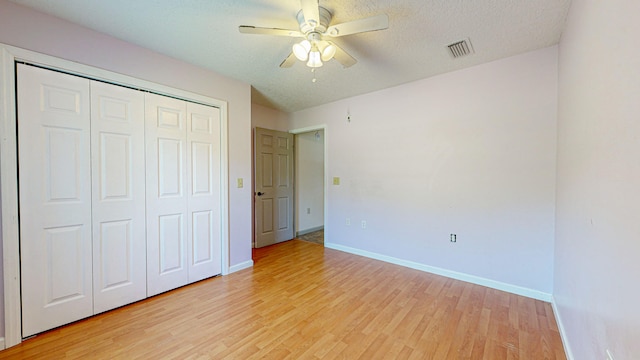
[[364, 224], [240, 183], [347, 222], [452, 238]]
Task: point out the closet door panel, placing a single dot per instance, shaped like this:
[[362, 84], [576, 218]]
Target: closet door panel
[[55, 198], [118, 201], [203, 137], [166, 159], [171, 244]]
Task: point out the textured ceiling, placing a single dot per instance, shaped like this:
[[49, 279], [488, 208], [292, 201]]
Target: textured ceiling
[[205, 33]]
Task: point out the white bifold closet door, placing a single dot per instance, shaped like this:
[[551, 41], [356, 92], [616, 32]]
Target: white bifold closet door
[[118, 204], [183, 187], [119, 195], [55, 198], [82, 207], [203, 204]]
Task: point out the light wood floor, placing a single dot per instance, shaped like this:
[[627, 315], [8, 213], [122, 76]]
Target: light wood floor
[[302, 301]]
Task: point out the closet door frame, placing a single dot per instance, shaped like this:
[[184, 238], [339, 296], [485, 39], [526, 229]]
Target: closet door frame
[[9, 55]]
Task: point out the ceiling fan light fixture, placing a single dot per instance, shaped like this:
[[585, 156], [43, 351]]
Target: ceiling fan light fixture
[[315, 59], [328, 52], [314, 23], [301, 50]]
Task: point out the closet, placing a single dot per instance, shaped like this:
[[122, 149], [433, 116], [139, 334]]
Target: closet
[[119, 195]]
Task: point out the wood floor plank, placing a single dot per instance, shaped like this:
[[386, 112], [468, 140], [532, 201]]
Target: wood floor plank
[[302, 301]]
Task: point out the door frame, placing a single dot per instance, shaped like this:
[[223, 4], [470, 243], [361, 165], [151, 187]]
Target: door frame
[[307, 129], [9, 165]]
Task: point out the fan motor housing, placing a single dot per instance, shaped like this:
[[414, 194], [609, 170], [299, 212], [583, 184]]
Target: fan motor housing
[[325, 19]]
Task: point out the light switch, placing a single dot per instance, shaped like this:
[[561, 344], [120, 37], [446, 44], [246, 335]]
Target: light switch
[[240, 183], [336, 181]]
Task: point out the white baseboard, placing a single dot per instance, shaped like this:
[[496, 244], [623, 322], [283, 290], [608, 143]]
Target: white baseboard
[[243, 265], [514, 289], [563, 334], [2, 344]]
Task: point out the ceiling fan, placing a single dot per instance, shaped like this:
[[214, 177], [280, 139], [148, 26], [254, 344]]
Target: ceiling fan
[[314, 26]]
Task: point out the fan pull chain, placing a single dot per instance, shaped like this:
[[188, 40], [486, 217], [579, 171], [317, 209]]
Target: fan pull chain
[[313, 71]]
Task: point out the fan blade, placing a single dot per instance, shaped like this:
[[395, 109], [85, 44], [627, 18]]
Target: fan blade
[[311, 12], [289, 61], [246, 29], [343, 57], [379, 22]]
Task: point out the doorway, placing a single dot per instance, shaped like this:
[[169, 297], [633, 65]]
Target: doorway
[[310, 185], [274, 183]]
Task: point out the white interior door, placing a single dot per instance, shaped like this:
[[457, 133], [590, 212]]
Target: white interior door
[[274, 186], [55, 198], [204, 245], [118, 201], [166, 193]]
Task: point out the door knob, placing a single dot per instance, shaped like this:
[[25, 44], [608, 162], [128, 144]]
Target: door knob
[[260, 193]]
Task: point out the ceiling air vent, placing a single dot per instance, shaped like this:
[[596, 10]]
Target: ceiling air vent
[[460, 48]]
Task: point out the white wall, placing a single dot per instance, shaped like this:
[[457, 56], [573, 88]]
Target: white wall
[[309, 178], [27, 29], [597, 290], [470, 152], [267, 118]]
